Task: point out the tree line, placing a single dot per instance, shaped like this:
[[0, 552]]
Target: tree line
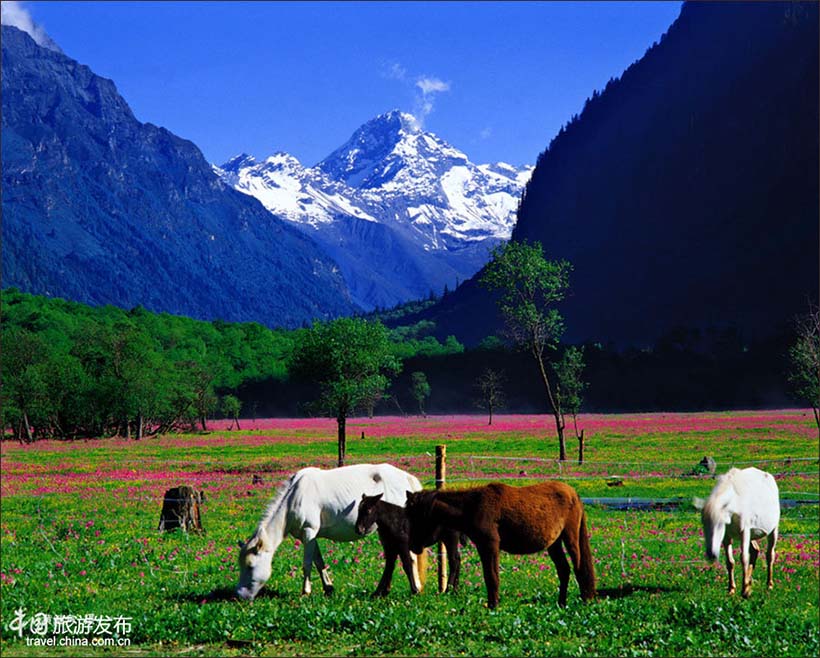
[[70, 370], [73, 371]]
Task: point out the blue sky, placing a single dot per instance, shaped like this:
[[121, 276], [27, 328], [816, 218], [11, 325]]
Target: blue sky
[[496, 80]]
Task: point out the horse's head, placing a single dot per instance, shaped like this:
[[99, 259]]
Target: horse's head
[[255, 557], [716, 514], [366, 518], [423, 531]]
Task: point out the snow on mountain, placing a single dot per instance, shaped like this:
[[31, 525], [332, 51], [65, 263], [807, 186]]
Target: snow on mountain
[[421, 190], [289, 190]]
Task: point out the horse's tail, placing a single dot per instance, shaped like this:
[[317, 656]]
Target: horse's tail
[[421, 565], [586, 569]]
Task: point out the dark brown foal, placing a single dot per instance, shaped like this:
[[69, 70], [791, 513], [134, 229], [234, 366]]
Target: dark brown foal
[[394, 533]]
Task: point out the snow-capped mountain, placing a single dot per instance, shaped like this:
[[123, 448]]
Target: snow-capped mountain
[[391, 183]]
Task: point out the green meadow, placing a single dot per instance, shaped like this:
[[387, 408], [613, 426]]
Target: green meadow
[[84, 566]]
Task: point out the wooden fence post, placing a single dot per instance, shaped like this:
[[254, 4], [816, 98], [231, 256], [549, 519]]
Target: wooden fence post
[[441, 474]]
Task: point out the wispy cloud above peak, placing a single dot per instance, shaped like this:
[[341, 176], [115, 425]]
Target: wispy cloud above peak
[[15, 14], [429, 85], [423, 87]]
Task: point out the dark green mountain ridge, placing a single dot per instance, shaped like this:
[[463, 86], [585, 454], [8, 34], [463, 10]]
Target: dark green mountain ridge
[[686, 192]]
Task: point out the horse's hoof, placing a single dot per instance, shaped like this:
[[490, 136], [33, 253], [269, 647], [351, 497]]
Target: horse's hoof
[[328, 591], [747, 593]]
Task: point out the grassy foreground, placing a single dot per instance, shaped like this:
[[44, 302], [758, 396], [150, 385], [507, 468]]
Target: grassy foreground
[[80, 545]]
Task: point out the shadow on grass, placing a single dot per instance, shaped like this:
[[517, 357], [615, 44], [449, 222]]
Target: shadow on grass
[[225, 594], [628, 590]]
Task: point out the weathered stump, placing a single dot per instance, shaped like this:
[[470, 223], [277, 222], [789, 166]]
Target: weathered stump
[[708, 465], [180, 509]]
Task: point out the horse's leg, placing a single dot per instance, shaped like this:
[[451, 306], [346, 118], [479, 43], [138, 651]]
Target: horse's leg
[[411, 567], [453, 560], [383, 587], [488, 552], [754, 551], [730, 564], [770, 558], [562, 569], [745, 545], [571, 540], [307, 564], [311, 553], [321, 567]]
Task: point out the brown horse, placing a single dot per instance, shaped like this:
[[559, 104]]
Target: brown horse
[[516, 520]]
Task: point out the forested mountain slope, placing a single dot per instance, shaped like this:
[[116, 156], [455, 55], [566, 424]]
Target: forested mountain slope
[[686, 192]]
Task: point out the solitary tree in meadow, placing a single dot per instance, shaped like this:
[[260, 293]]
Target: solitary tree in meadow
[[231, 406], [804, 359], [490, 386], [420, 388], [529, 287], [350, 359], [570, 389]]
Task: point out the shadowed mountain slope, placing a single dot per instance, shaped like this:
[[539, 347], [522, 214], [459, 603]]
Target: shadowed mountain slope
[[103, 209], [686, 192]]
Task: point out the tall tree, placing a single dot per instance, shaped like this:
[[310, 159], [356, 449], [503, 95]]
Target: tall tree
[[570, 389], [231, 406], [489, 384], [349, 359], [804, 358], [529, 286], [420, 388]]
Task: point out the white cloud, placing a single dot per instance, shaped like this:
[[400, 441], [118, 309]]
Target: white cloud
[[486, 133], [432, 85], [424, 88], [15, 14], [429, 87]]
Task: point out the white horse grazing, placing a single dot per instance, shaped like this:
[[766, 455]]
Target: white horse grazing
[[745, 505], [318, 503]]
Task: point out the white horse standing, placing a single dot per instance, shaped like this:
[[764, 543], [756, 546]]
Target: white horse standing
[[318, 503], [744, 505]]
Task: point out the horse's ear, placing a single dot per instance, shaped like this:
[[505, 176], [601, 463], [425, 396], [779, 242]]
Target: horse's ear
[[378, 497], [240, 543], [264, 542], [698, 503]]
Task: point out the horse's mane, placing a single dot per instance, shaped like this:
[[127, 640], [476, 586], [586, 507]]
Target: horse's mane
[[728, 480], [276, 503]]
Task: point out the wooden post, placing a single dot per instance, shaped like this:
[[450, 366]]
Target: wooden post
[[441, 473]]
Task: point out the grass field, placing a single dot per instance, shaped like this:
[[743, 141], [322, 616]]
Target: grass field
[[79, 543]]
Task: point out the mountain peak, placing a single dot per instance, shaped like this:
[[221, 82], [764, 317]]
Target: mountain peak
[[282, 159], [378, 149], [395, 120], [399, 209], [17, 20], [238, 162]]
